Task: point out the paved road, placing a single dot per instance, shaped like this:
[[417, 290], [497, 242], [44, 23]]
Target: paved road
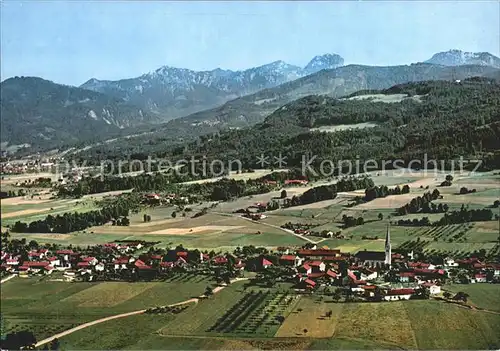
[[123, 315]]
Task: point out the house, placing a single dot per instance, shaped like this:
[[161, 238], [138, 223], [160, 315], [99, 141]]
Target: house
[[450, 263], [434, 289], [331, 275], [35, 255], [305, 269], [479, 278], [36, 267], [91, 260], [265, 263], [100, 267], [54, 261], [318, 253], [122, 262], [317, 266], [309, 284], [399, 294], [368, 274], [373, 259], [64, 254], [291, 260], [406, 277], [421, 265], [12, 262]]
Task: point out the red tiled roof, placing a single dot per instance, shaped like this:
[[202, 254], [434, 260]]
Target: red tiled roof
[[407, 274], [34, 254], [182, 253], [12, 261], [139, 263], [64, 252], [266, 262], [319, 252], [36, 264], [331, 273], [156, 257], [167, 264], [316, 275], [220, 260], [369, 287], [314, 263], [287, 258], [310, 282], [418, 265], [88, 259], [400, 292], [43, 250], [24, 268], [82, 264], [305, 266], [121, 260], [52, 258], [479, 275]]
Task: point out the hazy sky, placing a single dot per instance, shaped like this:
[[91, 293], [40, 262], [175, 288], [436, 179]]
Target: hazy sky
[[71, 41]]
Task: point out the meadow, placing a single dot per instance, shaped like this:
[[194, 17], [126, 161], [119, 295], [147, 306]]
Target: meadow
[[224, 322], [221, 229], [46, 306]]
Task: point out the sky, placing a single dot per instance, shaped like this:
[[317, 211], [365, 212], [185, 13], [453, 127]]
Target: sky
[[70, 42]]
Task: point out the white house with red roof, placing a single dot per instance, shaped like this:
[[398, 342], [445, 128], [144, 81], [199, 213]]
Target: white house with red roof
[[65, 254], [434, 289], [479, 278], [305, 269], [291, 260], [399, 294], [266, 263], [92, 261], [316, 266]]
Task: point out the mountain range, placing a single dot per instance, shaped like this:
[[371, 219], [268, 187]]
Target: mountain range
[[42, 113], [46, 114], [459, 58], [171, 92]]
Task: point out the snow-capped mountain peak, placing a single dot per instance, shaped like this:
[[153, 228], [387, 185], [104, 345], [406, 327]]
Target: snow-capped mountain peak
[[176, 91], [456, 57], [326, 61]]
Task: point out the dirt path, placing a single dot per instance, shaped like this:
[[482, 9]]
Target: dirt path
[[123, 315], [7, 279], [288, 231]]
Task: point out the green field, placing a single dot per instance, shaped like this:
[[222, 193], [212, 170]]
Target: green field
[[486, 296], [44, 305], [409, 325]]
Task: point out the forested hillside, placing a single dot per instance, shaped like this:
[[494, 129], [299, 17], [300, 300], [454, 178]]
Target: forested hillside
[[438, 118], [45, 114], [249, 110]]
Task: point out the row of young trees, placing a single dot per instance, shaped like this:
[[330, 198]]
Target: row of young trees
[[327, 192], [419, 203], [383, 191]]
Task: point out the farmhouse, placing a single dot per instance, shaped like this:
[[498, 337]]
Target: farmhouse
[[399, 294], [291, 260]]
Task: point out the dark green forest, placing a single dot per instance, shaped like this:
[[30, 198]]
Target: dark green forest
[[444, 120]]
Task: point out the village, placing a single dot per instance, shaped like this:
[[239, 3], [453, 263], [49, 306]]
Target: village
[[363, 276]]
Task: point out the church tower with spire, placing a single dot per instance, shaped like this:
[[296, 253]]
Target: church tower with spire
[[388, 252]]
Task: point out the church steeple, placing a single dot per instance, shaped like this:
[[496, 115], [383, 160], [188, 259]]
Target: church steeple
[[388, 252]]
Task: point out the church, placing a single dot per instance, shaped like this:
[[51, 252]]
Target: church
[[377, 259]]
